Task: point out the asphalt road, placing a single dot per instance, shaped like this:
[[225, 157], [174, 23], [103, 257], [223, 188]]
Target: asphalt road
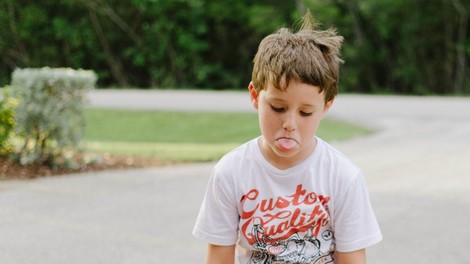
[[417, 167]]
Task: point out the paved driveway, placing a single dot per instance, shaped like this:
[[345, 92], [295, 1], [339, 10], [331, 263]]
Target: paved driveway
[[417, 166]]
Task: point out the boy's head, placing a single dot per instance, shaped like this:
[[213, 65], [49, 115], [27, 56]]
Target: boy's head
[[310, 56]]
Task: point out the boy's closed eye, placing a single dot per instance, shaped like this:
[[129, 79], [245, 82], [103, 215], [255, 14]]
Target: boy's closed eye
[[278, 109], [282, 110]]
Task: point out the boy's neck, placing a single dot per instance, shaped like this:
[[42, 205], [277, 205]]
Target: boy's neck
[[284, 163]]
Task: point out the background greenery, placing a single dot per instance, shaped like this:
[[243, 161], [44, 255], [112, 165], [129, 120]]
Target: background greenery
[[392, 46], [184, 136]]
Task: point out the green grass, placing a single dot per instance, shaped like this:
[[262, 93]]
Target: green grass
[[183, 136], [169, 127]]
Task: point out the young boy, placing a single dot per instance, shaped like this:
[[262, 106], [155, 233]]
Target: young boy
[[287, 196]]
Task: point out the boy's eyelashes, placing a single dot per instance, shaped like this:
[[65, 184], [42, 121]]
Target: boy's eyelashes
[[282, 110], [278, 109]]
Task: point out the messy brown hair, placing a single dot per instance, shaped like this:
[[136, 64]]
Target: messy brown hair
[[310, 56]]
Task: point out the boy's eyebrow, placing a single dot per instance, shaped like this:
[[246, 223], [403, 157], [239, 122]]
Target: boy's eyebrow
[[272, 98]]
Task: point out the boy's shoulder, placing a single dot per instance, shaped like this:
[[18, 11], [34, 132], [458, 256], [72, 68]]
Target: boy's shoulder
[[333, 159], [330, 152]]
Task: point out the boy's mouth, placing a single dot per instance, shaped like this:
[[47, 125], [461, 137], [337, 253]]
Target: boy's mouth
[[286, 143]]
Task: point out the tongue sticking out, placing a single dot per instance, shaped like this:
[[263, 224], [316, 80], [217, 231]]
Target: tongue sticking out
[[287, 143]]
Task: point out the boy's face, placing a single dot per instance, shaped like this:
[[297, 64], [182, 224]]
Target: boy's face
[[288, 121]]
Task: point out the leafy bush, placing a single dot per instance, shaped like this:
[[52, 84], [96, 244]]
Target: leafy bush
[[49, 117], [7, 122]]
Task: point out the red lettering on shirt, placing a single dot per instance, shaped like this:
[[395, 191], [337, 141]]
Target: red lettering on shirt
[[277, 218]]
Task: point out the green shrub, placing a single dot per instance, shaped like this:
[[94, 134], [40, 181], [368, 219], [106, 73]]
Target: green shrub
[[7, 122], [49, 117]]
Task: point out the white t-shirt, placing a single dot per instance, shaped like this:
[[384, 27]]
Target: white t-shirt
[[298, 215]]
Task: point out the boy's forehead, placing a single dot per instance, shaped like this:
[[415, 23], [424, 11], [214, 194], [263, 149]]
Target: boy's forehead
[[274, 91], [285, 84]]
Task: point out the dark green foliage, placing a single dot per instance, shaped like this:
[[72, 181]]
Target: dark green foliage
[[402, 46], [391, 46]]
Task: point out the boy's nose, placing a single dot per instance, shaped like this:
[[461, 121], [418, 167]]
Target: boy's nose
[[289, 123]]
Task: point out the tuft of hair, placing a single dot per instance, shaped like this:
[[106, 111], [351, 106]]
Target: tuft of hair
[[308, 22], [310, 56]]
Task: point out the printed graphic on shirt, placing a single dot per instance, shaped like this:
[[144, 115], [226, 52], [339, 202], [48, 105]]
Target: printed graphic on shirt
[[287, 229]]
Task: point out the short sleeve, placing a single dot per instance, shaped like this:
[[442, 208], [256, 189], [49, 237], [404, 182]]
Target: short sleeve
[[217, 222], [355, 224]]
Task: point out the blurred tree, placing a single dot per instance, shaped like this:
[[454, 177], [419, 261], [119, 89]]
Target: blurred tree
[[401, 46], [391, 46], [234, 32]]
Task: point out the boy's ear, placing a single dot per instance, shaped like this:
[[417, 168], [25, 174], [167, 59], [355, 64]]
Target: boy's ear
[[327, 106], [253, 95]]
